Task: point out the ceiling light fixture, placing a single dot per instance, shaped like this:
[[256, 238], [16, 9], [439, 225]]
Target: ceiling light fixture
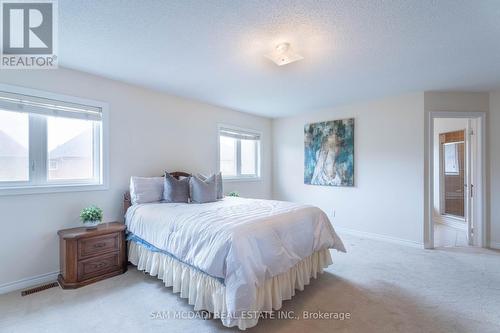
[[283, 54]]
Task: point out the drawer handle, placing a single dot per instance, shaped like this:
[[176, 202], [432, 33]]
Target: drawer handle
[[99, 245], [101, 264]]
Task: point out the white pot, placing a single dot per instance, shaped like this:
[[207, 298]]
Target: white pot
[[91, 224]]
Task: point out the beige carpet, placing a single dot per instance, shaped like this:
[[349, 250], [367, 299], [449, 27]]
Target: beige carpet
[[384, 287]]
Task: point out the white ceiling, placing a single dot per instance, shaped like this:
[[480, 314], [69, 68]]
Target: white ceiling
[[213, 50]]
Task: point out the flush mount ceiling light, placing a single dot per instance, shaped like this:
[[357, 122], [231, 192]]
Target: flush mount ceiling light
[[283, 54]]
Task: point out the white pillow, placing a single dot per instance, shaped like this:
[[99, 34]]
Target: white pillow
[[146, 189]]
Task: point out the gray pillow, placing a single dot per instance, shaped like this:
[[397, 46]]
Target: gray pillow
[[203, 190], [218, 183], [175, 190]]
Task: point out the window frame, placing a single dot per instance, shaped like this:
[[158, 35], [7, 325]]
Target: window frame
[[38, 181], [258, 154]]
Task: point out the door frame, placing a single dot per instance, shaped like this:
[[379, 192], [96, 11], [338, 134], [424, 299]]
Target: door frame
[[479, 207]]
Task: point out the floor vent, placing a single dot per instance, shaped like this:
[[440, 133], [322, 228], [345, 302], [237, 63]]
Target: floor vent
[[39, 288]]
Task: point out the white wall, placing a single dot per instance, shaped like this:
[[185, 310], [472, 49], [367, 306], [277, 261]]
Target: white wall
[[389, 171], [457, 101], [494, 141], [149, 132]]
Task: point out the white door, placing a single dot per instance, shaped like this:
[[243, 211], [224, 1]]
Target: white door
[[471, 167], [467, 183]]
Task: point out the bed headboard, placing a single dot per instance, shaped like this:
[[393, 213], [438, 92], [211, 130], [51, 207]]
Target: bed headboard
[[127, 201]]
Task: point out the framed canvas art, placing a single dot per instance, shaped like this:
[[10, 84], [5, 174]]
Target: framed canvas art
[[329, 153]]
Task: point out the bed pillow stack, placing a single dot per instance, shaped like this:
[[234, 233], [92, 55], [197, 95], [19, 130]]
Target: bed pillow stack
[[197, 189]]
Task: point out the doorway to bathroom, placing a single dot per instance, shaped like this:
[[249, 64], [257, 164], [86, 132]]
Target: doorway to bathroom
[[456, 170]]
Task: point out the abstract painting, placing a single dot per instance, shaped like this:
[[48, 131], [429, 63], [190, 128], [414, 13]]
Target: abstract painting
[[329, 153]]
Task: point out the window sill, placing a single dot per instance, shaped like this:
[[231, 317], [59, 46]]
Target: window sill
[[22, 190], [242, 179]]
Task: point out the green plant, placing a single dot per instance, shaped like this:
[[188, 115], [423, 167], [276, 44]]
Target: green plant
[[233, 194], [92, 213]]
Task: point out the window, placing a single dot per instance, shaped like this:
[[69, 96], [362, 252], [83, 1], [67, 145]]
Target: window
[[14, 137], [70, 148], [239, 153], [49, 144]]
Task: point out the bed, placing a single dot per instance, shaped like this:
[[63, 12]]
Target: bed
[[235, 257]]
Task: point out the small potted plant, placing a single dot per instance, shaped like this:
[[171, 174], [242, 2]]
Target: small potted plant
[[91, 216], [233, 194]]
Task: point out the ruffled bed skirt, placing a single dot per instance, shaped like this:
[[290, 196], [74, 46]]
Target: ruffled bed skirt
[[208, 293]]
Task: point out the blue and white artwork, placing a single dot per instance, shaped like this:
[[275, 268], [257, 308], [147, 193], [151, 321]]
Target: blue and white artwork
[[329, 153]]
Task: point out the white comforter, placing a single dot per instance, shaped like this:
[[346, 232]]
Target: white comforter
[[243, 241]]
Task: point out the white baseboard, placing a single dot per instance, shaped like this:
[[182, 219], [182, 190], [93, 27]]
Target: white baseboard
[[379, 237], [28, 282], [495, 245]]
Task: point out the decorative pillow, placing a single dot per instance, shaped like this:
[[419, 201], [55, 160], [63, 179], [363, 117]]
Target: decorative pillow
[[203, 190], [176, 190], [146, 189], [218, 183]]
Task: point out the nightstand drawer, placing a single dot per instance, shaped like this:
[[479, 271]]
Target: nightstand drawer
[[88, 247], [90, 268]]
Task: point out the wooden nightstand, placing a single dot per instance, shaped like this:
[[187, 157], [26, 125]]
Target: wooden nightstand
[[91, 255]]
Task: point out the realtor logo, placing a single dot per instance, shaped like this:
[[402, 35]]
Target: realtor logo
[[29, 34]]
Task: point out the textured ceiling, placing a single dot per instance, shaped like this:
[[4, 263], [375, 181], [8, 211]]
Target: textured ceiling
[[213, 50]]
